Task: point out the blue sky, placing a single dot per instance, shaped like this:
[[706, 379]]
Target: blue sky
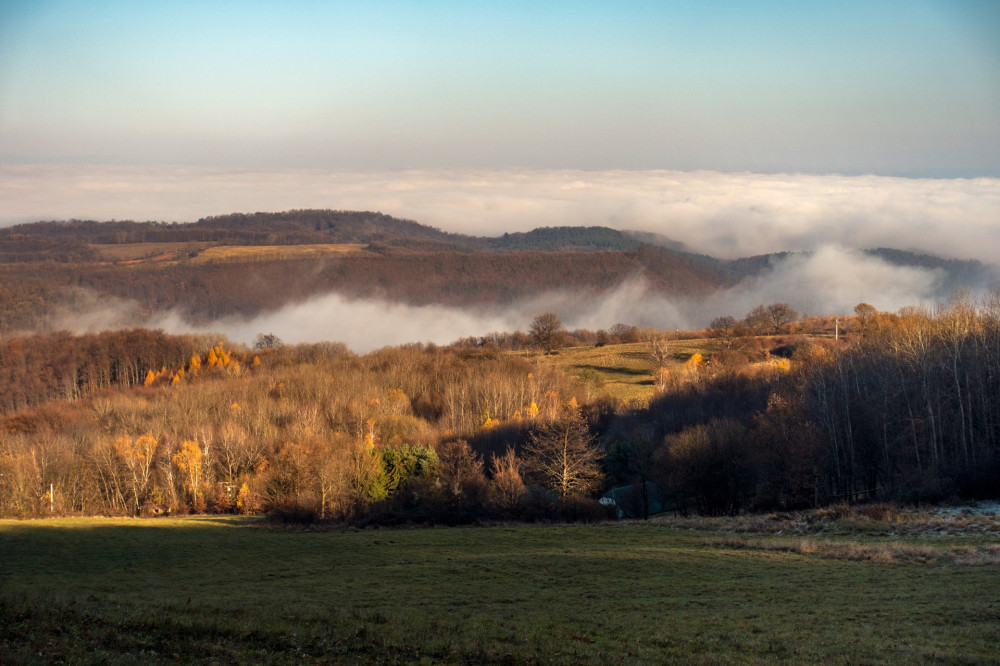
[[895, 88]]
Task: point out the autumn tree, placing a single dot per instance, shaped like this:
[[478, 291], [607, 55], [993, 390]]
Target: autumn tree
[[625, 332], [267, 341], [546, 332], [138, 457], [866, 314], [728, 332], [758, 321], [188, 460], [506, 485], [460, 473], [658, 349], [773, 318], [781, 314], [562, 456], [709, 465]]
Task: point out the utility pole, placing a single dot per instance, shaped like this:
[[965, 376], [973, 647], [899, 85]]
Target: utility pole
[[836, 328]]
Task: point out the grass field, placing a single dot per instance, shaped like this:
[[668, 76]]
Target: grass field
[[204, 252], [224, 590], [274, 252], [138, 252], [622, 371]]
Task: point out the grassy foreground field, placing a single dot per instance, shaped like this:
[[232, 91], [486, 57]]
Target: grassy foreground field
[[224, 590]]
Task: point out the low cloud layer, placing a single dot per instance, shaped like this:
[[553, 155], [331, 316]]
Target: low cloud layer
[[724, 214], [830, 281]]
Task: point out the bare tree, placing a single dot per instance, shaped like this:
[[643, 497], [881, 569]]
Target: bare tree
[[625, 332], [506, 487], [658, 348], [773, 318], [267, 341], [562, 456], [730, 333], [781, 314], [758, 320], [546, 331]]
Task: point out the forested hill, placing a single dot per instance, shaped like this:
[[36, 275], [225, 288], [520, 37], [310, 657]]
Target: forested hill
[[48, 267], [295, 227], [288, 257], [953, 274], [70, 241]]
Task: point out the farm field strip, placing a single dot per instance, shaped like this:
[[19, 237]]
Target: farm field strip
[[200, 252], [275, 252]]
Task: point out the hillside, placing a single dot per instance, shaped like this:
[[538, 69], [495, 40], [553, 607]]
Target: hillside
[[274, 259], [953, 273], [245, 264]]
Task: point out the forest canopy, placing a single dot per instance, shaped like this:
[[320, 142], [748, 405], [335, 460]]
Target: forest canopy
[[901, 406]]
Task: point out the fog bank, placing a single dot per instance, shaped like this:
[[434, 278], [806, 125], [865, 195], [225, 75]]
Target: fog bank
[[723, 214], [830, 281]]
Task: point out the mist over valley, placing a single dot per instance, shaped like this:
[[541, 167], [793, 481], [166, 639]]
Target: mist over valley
[[371, 280]]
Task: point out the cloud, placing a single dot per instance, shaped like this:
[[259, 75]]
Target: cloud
[[723, 214], [362, 325], [829, 281]]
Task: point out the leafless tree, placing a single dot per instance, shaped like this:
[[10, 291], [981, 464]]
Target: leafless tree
[[562, 456], [546, 331]]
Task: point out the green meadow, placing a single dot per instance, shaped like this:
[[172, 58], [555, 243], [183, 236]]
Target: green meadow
[[623, 371], [228, 590]]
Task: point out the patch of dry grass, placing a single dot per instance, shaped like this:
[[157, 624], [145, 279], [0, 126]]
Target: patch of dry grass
[[886, 553], [884, 520], [147, 251], [206, 252], [624, 372], [229, 253]]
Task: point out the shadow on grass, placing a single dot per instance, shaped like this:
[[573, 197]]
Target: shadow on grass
[[603, 369]]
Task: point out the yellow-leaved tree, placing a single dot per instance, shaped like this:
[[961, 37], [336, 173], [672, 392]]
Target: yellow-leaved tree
[[188, 460], [138, 458]]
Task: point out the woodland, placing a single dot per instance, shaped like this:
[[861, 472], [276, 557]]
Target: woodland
[[50, 268], [771, 411]]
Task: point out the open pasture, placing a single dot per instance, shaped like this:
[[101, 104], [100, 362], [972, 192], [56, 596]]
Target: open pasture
[[228, 590], [225, 253], [207, 252], [623, 371]]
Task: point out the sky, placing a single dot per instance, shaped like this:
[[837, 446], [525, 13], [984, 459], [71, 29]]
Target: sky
[[906, 88], [736, 128]]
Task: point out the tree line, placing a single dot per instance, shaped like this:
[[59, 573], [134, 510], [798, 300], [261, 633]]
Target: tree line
[[903, 407], [36, 293]]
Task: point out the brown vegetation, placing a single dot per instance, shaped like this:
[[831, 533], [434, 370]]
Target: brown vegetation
[[112, 423]]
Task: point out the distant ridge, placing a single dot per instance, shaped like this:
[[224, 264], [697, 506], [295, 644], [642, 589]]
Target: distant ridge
[[48, 267], [954, 274]]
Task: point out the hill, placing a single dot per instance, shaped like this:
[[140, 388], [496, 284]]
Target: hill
[[244, 264], [953, 273]]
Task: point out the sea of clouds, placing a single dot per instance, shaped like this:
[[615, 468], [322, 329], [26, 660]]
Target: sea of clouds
[[726, 215]]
